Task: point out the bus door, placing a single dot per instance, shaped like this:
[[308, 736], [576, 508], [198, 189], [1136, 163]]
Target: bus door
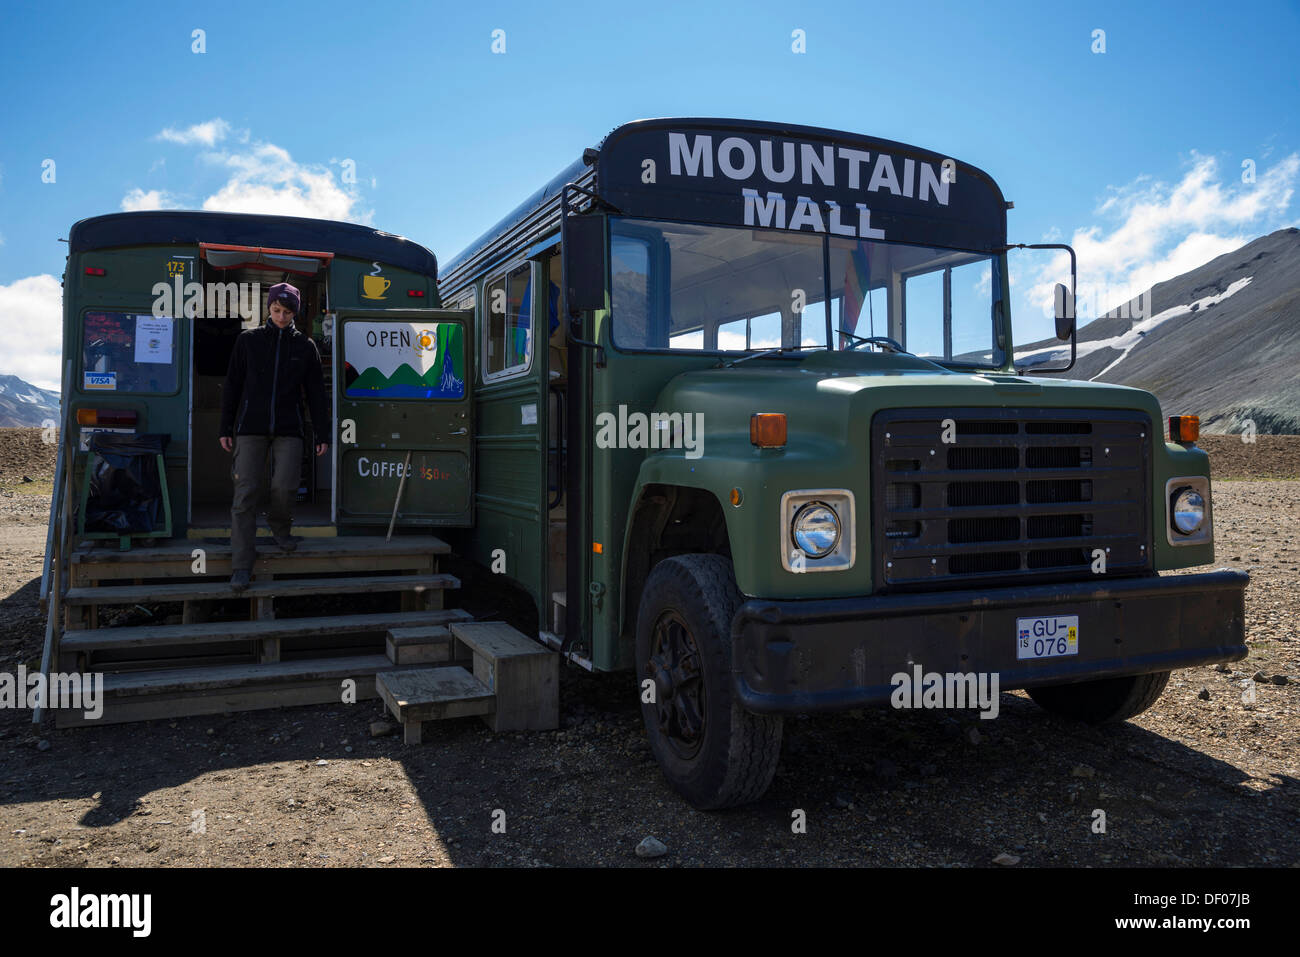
[[403, 409]]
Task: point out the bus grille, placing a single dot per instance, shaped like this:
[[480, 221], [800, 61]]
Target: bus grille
[[1021, 495]]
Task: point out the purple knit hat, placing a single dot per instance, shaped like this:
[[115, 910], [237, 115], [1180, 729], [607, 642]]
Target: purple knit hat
[[285, 293]]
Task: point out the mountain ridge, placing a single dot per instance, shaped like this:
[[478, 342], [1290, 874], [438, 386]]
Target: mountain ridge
[[23, 404]]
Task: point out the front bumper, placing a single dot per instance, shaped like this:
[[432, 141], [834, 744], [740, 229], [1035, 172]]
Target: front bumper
[[826, 655]]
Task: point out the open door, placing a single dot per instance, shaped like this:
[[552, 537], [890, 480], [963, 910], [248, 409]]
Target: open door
[[402, 383]]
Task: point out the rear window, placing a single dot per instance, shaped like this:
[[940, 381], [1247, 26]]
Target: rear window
[[128, 352]]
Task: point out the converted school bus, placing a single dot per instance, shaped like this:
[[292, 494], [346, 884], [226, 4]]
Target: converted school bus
[[393, 364], [870, 485], [153, 303]]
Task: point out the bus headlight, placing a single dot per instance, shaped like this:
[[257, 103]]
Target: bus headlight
[[1188, 510], [816, 529], [1189, 517]]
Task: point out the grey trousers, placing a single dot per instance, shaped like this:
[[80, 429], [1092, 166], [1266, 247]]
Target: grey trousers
[[248, 470]]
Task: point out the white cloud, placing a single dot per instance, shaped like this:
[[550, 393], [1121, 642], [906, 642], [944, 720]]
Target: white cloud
[[1161, 230], [31, 327], [266, 179], [204, 134], [138, 199], [262, 178]]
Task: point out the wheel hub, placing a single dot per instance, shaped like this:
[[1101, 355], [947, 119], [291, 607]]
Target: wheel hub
[[676, 669]]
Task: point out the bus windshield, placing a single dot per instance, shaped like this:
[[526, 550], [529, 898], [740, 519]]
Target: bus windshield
[[686, 287]]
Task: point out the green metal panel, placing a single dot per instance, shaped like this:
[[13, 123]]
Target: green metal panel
[[510, 447], [403, 384], [127, 286]]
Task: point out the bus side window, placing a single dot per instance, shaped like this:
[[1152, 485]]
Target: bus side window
[[509, 339]]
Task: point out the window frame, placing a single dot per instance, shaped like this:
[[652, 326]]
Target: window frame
[[177, 327], [484, 320], [999, 319]]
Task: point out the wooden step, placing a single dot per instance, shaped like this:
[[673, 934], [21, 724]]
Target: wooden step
[[524, 676], [495, 640], [317, 547], [364, 554], [416, 695], [424, 645], [168, 680], [178, 692], [140, 636], [206, 589], [195, 532]]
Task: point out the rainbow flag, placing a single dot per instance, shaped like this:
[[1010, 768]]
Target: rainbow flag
[[857, 283]]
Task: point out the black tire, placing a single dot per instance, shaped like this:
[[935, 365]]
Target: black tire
[[713, 752], [1104, 701]]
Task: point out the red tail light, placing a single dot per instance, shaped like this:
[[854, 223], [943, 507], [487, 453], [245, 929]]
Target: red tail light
[[114, 417]]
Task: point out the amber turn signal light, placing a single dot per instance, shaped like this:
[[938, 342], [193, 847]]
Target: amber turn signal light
[[767, 430], [1184, 428]]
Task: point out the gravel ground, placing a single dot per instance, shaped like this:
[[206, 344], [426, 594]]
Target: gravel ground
[[1201, 779]]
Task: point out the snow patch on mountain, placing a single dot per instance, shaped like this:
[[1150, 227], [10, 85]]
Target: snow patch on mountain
[[1125, 342]]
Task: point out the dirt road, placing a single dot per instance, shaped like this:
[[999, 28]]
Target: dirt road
[[1200, 779]]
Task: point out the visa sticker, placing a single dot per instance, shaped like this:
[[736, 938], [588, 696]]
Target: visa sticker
[[100, 380]]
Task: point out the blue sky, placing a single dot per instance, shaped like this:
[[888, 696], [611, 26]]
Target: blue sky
[[1134, 154]]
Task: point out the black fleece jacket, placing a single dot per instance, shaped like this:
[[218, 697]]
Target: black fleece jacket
[[268, 369]]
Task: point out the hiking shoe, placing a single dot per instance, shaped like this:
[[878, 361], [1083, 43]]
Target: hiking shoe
[[239, 580], [287, 543]]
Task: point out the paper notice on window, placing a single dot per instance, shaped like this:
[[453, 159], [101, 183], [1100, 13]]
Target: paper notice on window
[[153, 339]]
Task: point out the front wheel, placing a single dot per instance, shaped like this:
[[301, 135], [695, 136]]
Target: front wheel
[[713, 752], [1104, 701]]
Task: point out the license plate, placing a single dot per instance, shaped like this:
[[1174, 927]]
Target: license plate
[[1055, 636]]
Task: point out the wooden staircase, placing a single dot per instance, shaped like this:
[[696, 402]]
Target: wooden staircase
[[225, 651]]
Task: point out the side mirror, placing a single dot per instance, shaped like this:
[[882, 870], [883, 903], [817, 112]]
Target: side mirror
[[584, 263], [1064, 311]]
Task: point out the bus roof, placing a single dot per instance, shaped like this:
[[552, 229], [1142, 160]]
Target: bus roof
[[532, 220], [191, 227], [754, 173]]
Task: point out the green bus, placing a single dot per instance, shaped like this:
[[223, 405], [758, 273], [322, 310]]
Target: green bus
[[748, 421], [153, 302]]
